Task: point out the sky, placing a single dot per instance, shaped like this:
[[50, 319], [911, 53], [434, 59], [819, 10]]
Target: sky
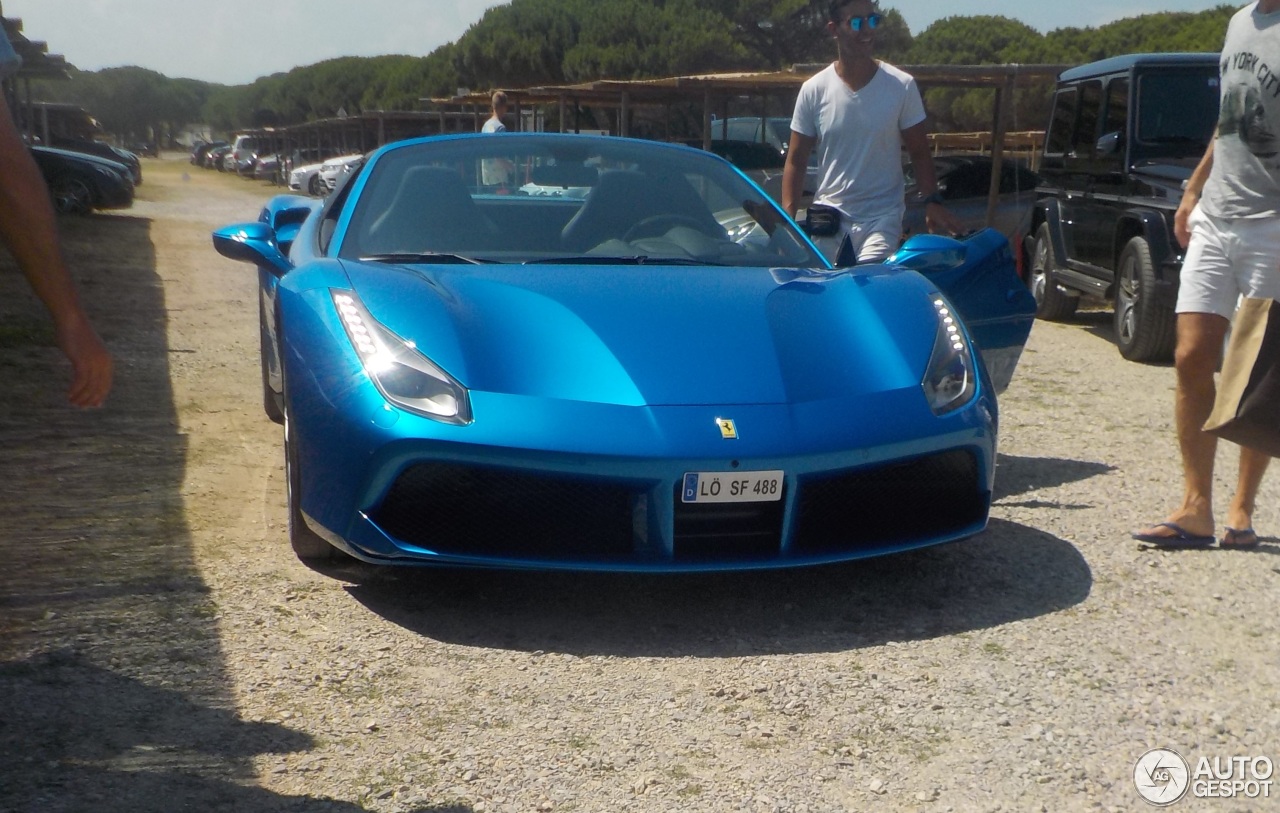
[[234, 42]]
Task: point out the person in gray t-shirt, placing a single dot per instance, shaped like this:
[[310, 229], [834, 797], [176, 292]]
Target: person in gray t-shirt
[[1229, 221], [28, 227]]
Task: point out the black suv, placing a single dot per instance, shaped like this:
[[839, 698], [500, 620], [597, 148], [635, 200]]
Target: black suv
[[1124, 136]]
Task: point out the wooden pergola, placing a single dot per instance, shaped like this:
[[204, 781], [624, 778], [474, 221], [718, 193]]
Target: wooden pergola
[[713, 93], [37, 63]]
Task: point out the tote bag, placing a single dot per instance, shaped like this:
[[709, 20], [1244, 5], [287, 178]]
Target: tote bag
[[1247, 408]]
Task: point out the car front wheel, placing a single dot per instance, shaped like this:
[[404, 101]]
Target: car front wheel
[[315, 187], [1145, 328], [270, 401], [71, 196], [1052, 303], [306, 543]]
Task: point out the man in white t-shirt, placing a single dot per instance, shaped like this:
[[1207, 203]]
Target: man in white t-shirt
[[859, 113], [1229, 220]]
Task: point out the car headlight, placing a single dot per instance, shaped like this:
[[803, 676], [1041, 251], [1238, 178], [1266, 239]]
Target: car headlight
[[403, 375], [951, 378]]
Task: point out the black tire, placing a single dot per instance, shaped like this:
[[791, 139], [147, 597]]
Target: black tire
[[71, 196], [1052, 303], [307, 544], [270, 401], [313, 186], [1145, 328]]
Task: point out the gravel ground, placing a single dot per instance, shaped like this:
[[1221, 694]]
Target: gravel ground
[[161, 649]]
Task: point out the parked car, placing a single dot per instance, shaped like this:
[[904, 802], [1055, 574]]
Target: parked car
[[266, 167], [216, 158], [307, 179], [616, 381], [79, 183], [964, 181], [335, 169], [200, 152], [774, 131], [1124, 136], [241, 155], [103, 150]]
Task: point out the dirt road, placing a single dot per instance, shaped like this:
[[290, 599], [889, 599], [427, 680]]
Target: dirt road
[[162, 650]]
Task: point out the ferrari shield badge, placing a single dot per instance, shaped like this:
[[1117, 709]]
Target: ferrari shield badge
[[727, 430]]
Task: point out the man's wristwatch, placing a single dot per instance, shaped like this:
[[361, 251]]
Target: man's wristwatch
[[936, 197]]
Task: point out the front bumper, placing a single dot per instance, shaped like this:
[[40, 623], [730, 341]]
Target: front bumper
[[387, 496]]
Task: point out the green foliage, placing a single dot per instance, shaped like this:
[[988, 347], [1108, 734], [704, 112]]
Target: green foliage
[[979, 40], [528, 43]]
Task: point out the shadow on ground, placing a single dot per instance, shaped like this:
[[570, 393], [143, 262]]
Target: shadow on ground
[[113, 689], [1010, 572]]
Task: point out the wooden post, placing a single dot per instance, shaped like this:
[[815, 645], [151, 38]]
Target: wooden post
[[1004, 100]]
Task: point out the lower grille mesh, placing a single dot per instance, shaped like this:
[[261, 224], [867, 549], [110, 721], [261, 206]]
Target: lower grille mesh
[[468, 510], [889, 504]]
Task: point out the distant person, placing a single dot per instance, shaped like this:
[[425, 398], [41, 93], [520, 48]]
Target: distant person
[[496, 171], [1229, 222], [28, 227], [498, 104], [860, 112]]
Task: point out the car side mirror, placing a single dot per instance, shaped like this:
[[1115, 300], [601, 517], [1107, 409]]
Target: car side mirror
[[1109, 144], [252, 243]]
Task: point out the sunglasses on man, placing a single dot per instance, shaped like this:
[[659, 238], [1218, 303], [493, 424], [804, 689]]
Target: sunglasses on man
[[871, 21]]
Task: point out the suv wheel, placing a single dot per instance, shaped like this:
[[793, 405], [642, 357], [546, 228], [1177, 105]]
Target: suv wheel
[[1052, 303], [1145, 329]]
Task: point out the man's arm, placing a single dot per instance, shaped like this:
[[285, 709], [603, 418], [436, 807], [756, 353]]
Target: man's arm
[[1191, 196], [936, 216], [28, 227], [793, 172]]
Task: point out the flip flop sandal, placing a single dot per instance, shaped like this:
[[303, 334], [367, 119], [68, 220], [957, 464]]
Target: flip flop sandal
[[1239, 539], [1181, 537]]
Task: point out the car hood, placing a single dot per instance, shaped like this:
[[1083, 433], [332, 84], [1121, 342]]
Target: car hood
[[81, 157], [1169, 173], [646, 335]]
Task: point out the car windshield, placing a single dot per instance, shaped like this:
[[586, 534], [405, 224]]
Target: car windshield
[[539, 198]]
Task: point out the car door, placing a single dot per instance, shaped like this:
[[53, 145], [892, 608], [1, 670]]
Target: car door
[[978, 276]]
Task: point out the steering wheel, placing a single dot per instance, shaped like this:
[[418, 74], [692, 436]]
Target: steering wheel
[[661, 224]]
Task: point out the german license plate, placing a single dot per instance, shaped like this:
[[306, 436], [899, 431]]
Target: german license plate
[[732, 486]]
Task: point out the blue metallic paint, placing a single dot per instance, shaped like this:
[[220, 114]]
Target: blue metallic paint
[[619, 373]]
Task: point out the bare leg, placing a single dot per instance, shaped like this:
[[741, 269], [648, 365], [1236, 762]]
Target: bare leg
[[1253, 464], [1200, 337]]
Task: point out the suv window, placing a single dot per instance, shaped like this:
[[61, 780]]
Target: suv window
[[1117, 106], [1086, 129], [1058, 141]]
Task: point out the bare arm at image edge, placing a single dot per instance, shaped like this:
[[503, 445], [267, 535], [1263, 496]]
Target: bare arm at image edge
[[28, 228]]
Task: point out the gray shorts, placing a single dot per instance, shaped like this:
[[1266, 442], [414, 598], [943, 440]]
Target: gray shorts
[[1227, 259], [871, 242]]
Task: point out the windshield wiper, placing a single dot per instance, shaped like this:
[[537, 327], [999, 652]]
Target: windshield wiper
[[636, 259], [422, 257]]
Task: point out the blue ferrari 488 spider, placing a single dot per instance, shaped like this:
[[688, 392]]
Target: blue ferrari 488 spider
[[577, 352]]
